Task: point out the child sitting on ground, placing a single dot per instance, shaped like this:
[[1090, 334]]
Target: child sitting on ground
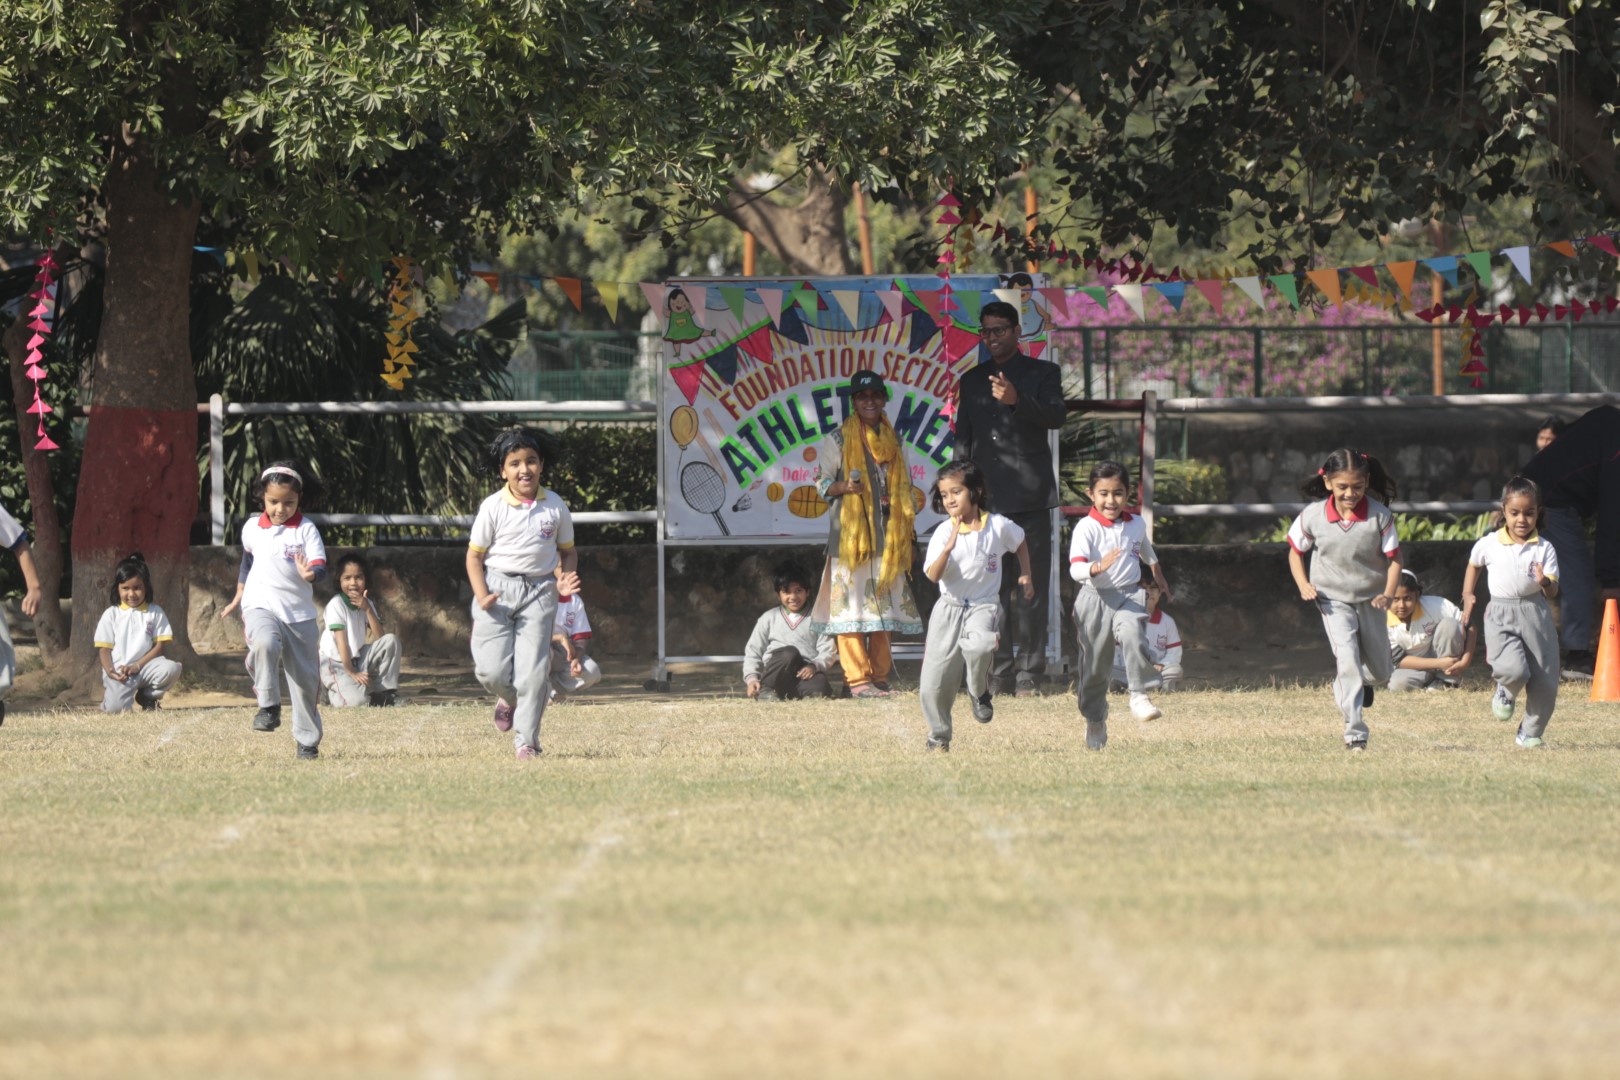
[[353, 672], [572, 668], [1427, 641], [785, 658], [129, 641], [1163, 644]]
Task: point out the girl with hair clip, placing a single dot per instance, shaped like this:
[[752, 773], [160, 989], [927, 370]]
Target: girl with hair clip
[[1427, 643], [520, 559], [1353, 575], [865, 595], [130, 639], [282, 558], [1521, 642]]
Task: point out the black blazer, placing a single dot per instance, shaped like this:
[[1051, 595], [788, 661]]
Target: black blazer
[[1010, 442]]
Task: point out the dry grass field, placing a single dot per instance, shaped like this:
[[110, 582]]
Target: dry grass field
[[707, 887]]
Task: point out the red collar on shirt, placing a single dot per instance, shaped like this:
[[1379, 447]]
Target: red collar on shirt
[[1095, 515], [292, 523], [1158, 613], [1358, 513]]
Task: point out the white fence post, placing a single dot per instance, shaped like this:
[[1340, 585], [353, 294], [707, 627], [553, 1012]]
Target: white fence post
[[1150, 450], [216, 468]]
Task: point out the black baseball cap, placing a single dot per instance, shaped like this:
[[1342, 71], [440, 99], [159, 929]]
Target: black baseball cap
[[867, 380]]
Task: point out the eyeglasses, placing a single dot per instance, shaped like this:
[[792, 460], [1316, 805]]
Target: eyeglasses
[[994, 331]]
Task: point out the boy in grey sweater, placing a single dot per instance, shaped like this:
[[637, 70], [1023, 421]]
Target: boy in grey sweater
[[785, 658]]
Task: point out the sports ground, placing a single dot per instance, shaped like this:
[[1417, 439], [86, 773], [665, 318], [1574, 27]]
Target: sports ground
[[701, 886]]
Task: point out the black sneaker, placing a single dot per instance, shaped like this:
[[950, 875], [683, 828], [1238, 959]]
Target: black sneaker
[[144, 698], [1366, 697], [1577, 665], [984, 710], [306, 753], [267, 718], [942, 745]]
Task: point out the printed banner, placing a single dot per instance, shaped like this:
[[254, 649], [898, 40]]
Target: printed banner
[[756, 380]]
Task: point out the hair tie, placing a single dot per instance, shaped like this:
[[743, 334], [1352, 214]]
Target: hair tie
[[280, 469], [1321, 472]]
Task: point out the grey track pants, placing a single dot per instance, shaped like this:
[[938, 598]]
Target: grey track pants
[[273, 644], [1101, 616], [1448, 640], [156, 675], [8, 659], [511, 647], [1359, 637], [1522, 647], [379, 660], [562, 682], [961, 638]]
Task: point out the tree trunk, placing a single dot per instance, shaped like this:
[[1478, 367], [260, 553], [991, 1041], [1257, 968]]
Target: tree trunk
[[809, 237], [50, 624], [138, 482]]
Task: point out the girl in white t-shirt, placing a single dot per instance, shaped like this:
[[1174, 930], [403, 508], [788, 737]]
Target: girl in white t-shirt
[[354, 672], [1427, 642], [130, 639], [964, 558], [1521, 642], [282, 558]]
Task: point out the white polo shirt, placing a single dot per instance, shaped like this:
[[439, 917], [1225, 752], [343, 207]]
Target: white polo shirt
[[10, 530], [1095, 536], [342, 615], [572, 622], [519, 537], [130, 632], [973, 572], [1415, 637], [273, 581], [1507, 563]]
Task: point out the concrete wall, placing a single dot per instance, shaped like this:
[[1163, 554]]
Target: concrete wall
[[1232, 600]]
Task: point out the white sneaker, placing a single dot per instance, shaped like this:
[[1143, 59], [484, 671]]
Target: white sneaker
[[1143, 709], [1502, 704]]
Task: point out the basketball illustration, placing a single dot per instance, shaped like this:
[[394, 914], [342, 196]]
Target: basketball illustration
[[683, 426], [804, 502], [774, 492]]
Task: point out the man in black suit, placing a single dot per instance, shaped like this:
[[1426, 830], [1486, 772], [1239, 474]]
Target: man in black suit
[[1004, 411]]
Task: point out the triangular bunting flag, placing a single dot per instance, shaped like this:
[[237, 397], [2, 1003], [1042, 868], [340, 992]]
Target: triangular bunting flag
[[490, 278], [1367, 274], [1057, 302], [1603, 242], [1174, 292], [1288, 285], [35, 372], [1214, 291], [734, 296], [1250, 287], [1403, 273], [929, 299], [609, 292], [959, 342], [43, 442], [1327, 283], [1009, 296], [1445, 266], [759, 345], [891, 300], [849, 302], [807, 299], [572, 288], [1132, 295], [1565, 248], [688, 377], [1480, 263], [970, 303], [250, 259], [1520, 258], [772, 299], [947, 199], [1098, 295], [657, 300]]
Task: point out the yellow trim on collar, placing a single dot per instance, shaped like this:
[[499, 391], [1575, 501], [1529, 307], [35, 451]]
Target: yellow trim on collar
[[1417, 613], [1505, 537], [126, 607], [978, 526], [513, 500]]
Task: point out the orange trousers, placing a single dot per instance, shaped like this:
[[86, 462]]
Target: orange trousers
[[865, 658]]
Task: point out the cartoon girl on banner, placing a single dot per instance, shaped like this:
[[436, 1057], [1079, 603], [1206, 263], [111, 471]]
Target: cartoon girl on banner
[[1032, 316], [681, 328]]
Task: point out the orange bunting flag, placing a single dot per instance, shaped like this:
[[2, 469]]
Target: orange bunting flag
[[1327, 282], [1565, 248], [1403, 273], [572, 288], [490, 278]]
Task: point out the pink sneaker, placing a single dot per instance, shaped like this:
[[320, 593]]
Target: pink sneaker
[[503, 715], [524, 753]]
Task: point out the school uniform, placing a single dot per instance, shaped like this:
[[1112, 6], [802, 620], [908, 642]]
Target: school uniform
[[965, 625], [378, 659], [511, 641], [129, 633], [779, 648], [11, 537], [1110, 609], [575, 625], [1521, 642], [280, 619], [1163, 642], [1434, 630], [1349, 567]]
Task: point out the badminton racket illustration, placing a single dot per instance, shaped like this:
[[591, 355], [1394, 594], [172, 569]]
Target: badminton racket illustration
[[704, 491]]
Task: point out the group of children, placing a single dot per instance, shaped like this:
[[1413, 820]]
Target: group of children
[[530, 632]]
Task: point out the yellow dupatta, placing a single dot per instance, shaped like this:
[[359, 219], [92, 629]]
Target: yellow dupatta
[[855, 540]]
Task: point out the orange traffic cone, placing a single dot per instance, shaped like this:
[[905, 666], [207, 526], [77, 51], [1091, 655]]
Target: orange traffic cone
[[1606, 675]]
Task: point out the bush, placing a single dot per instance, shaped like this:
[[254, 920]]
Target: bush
[[608, 467]]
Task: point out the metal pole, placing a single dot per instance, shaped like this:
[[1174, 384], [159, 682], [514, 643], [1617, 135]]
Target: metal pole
[[660, 671], [1085, 358], [1569, 358], [1150, 446], [216, 469], [1054, 584], [1259, 363]]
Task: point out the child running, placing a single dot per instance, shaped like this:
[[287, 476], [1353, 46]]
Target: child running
[[964, 558], [572, 668], [1427, 643], [1521, 643], [15, 540], [129, 641], [282, 558], [1353, 575], [1109, 549], [352, 671], [520, 558], [785, 658]]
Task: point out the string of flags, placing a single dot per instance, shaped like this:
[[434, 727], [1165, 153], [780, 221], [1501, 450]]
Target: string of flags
[[402, 313], [40, 320]]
